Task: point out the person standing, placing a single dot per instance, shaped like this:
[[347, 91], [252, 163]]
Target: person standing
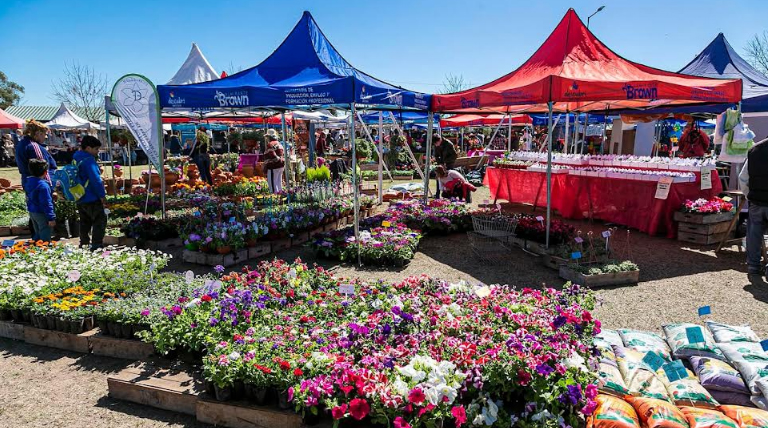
[[30, 146], [40, 200], [321, 147], [274, 163], [175, 144], [200, 156], [445, 155], [6, 148], [753, 181], [93, 218]]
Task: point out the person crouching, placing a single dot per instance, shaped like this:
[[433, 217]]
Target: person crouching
[[453, 184]]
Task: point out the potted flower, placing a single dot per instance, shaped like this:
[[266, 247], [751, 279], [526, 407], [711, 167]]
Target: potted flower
[[192, 241], [118, 171]]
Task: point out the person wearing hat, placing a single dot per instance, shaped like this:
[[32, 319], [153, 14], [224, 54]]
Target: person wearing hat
[[274, 163]]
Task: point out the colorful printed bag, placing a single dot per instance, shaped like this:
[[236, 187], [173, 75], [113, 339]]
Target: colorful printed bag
[[612, 412], [705, 418], [725, 333], [718, 375], [657, 413], [639, 378], [644, 342], [751, 361], [688, 340], [746, 417]]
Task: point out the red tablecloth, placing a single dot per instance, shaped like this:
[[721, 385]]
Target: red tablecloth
[[630, 203]]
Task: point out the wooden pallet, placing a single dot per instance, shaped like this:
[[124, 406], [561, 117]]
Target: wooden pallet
[[696, 238], [157, 387], [619, 278], [703, 218]]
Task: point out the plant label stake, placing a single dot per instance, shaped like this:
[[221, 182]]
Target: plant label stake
[[705, 310], [764, 345]]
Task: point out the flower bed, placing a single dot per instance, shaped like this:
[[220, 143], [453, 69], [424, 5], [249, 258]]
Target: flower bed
[[413, 353], [394, 245], [703, 206], [65, 282], [532, 229]]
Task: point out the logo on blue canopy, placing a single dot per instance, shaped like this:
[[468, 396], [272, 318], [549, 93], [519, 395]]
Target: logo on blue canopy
[[232, 99]]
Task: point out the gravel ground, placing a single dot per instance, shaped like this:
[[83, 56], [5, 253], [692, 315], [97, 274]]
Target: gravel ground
[[676, 279]]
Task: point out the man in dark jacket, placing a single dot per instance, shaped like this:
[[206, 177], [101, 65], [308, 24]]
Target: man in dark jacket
[[753, 181], [445, 155], [93, 218]]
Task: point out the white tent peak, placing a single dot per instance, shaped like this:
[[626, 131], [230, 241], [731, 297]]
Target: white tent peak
[[67, 119], [196, 69]]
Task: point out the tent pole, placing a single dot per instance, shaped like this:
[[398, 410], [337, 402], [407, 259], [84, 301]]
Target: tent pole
[[428, 155], [381, 157], [287, 158], [354, 180], [109, 143], [549, 171], [496, 131], [575, 131], [509, 133], [461, 137], [567, 131]]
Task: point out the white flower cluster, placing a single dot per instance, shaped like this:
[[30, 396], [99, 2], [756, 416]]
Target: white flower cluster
[[438, 381]]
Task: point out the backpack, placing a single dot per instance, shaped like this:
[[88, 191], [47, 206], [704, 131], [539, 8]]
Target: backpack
[[69, 178]]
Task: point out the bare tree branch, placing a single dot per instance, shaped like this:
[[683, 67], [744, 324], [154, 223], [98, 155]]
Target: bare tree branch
[[232, 69], [82, 88], [757, 52], [454, 83]]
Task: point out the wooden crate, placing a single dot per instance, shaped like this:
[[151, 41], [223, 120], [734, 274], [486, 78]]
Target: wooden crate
[[20, 230], [120, 348], [5, 230], [11, 330], [620, 278], [281, 244], [260, 249], [172, 390], [56, 339], [696, 238], [299, 239], [369, 167], [553, 262], [402, 177], [703, 218], [704, 229], [234, 414]]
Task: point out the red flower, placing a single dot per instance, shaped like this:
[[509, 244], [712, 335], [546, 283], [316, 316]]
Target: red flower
[[523, 377], [206, 298], [290, 293], [347, 389], [459, 414], [298, 372], [416, 396], [359, 408], [401, 423], [285, 365], [304, 319], [339, 411], [586, 316], [266, 370]]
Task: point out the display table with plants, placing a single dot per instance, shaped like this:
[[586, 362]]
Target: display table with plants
[[601, 274], [704, 221]]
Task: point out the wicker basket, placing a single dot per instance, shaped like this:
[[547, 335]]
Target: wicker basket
[[494, 227]]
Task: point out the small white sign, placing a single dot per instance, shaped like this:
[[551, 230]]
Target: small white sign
[[578, 240], [540, 218], [348, 289], [189, 276], [662, 187], [706, 179], [607, 234]]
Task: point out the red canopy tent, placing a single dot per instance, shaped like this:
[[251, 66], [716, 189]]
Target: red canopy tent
[[573, 71], [484, 120], [9, 121]]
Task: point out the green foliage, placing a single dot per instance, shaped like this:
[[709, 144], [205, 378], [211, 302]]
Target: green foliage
[[10, 92], [12, 206], [65, 210], [363, 148], [610, 267], [235, 137], [253, 135], [321, 173]]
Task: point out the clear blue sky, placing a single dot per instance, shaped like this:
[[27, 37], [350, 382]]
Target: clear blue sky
[[412, 43]]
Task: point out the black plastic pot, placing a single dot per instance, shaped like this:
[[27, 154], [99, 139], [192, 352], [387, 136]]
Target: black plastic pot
[[238, 390], [26, 315], [76, 326], [5, 314], [282, 400], [16, 315], [311, 419], [126, 330], [103, 327], [223, 394], [62, 325]]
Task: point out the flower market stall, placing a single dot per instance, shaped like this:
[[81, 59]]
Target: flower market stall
[[616, 189], [567, 74]]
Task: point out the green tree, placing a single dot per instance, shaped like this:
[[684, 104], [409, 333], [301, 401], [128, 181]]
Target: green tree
[[10, 92]]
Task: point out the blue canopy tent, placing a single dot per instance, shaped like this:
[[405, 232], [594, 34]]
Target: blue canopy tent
[[304, 72], [720, 60], [408, 117]]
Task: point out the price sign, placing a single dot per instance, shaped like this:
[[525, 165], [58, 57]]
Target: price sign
[[8, 243], [189, 276], [348, 289], [694, 335], [540, 218], [705, 310], [675, 370], [579, 240], [662, 188], [653, 360], [576, 255], [385, 223], [706, 179], [727, 198], [607, 234]]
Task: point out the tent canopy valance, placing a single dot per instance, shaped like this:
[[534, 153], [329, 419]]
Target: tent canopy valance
[[575, 71], [9, 121], [305, 70], [67, 119], [484, 120]]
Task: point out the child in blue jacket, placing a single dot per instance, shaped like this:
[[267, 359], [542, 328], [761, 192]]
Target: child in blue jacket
[[40, 200], [93, 219]]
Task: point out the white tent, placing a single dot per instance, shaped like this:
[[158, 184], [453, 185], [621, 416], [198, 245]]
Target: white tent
[[196, 69], [67, 119]]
